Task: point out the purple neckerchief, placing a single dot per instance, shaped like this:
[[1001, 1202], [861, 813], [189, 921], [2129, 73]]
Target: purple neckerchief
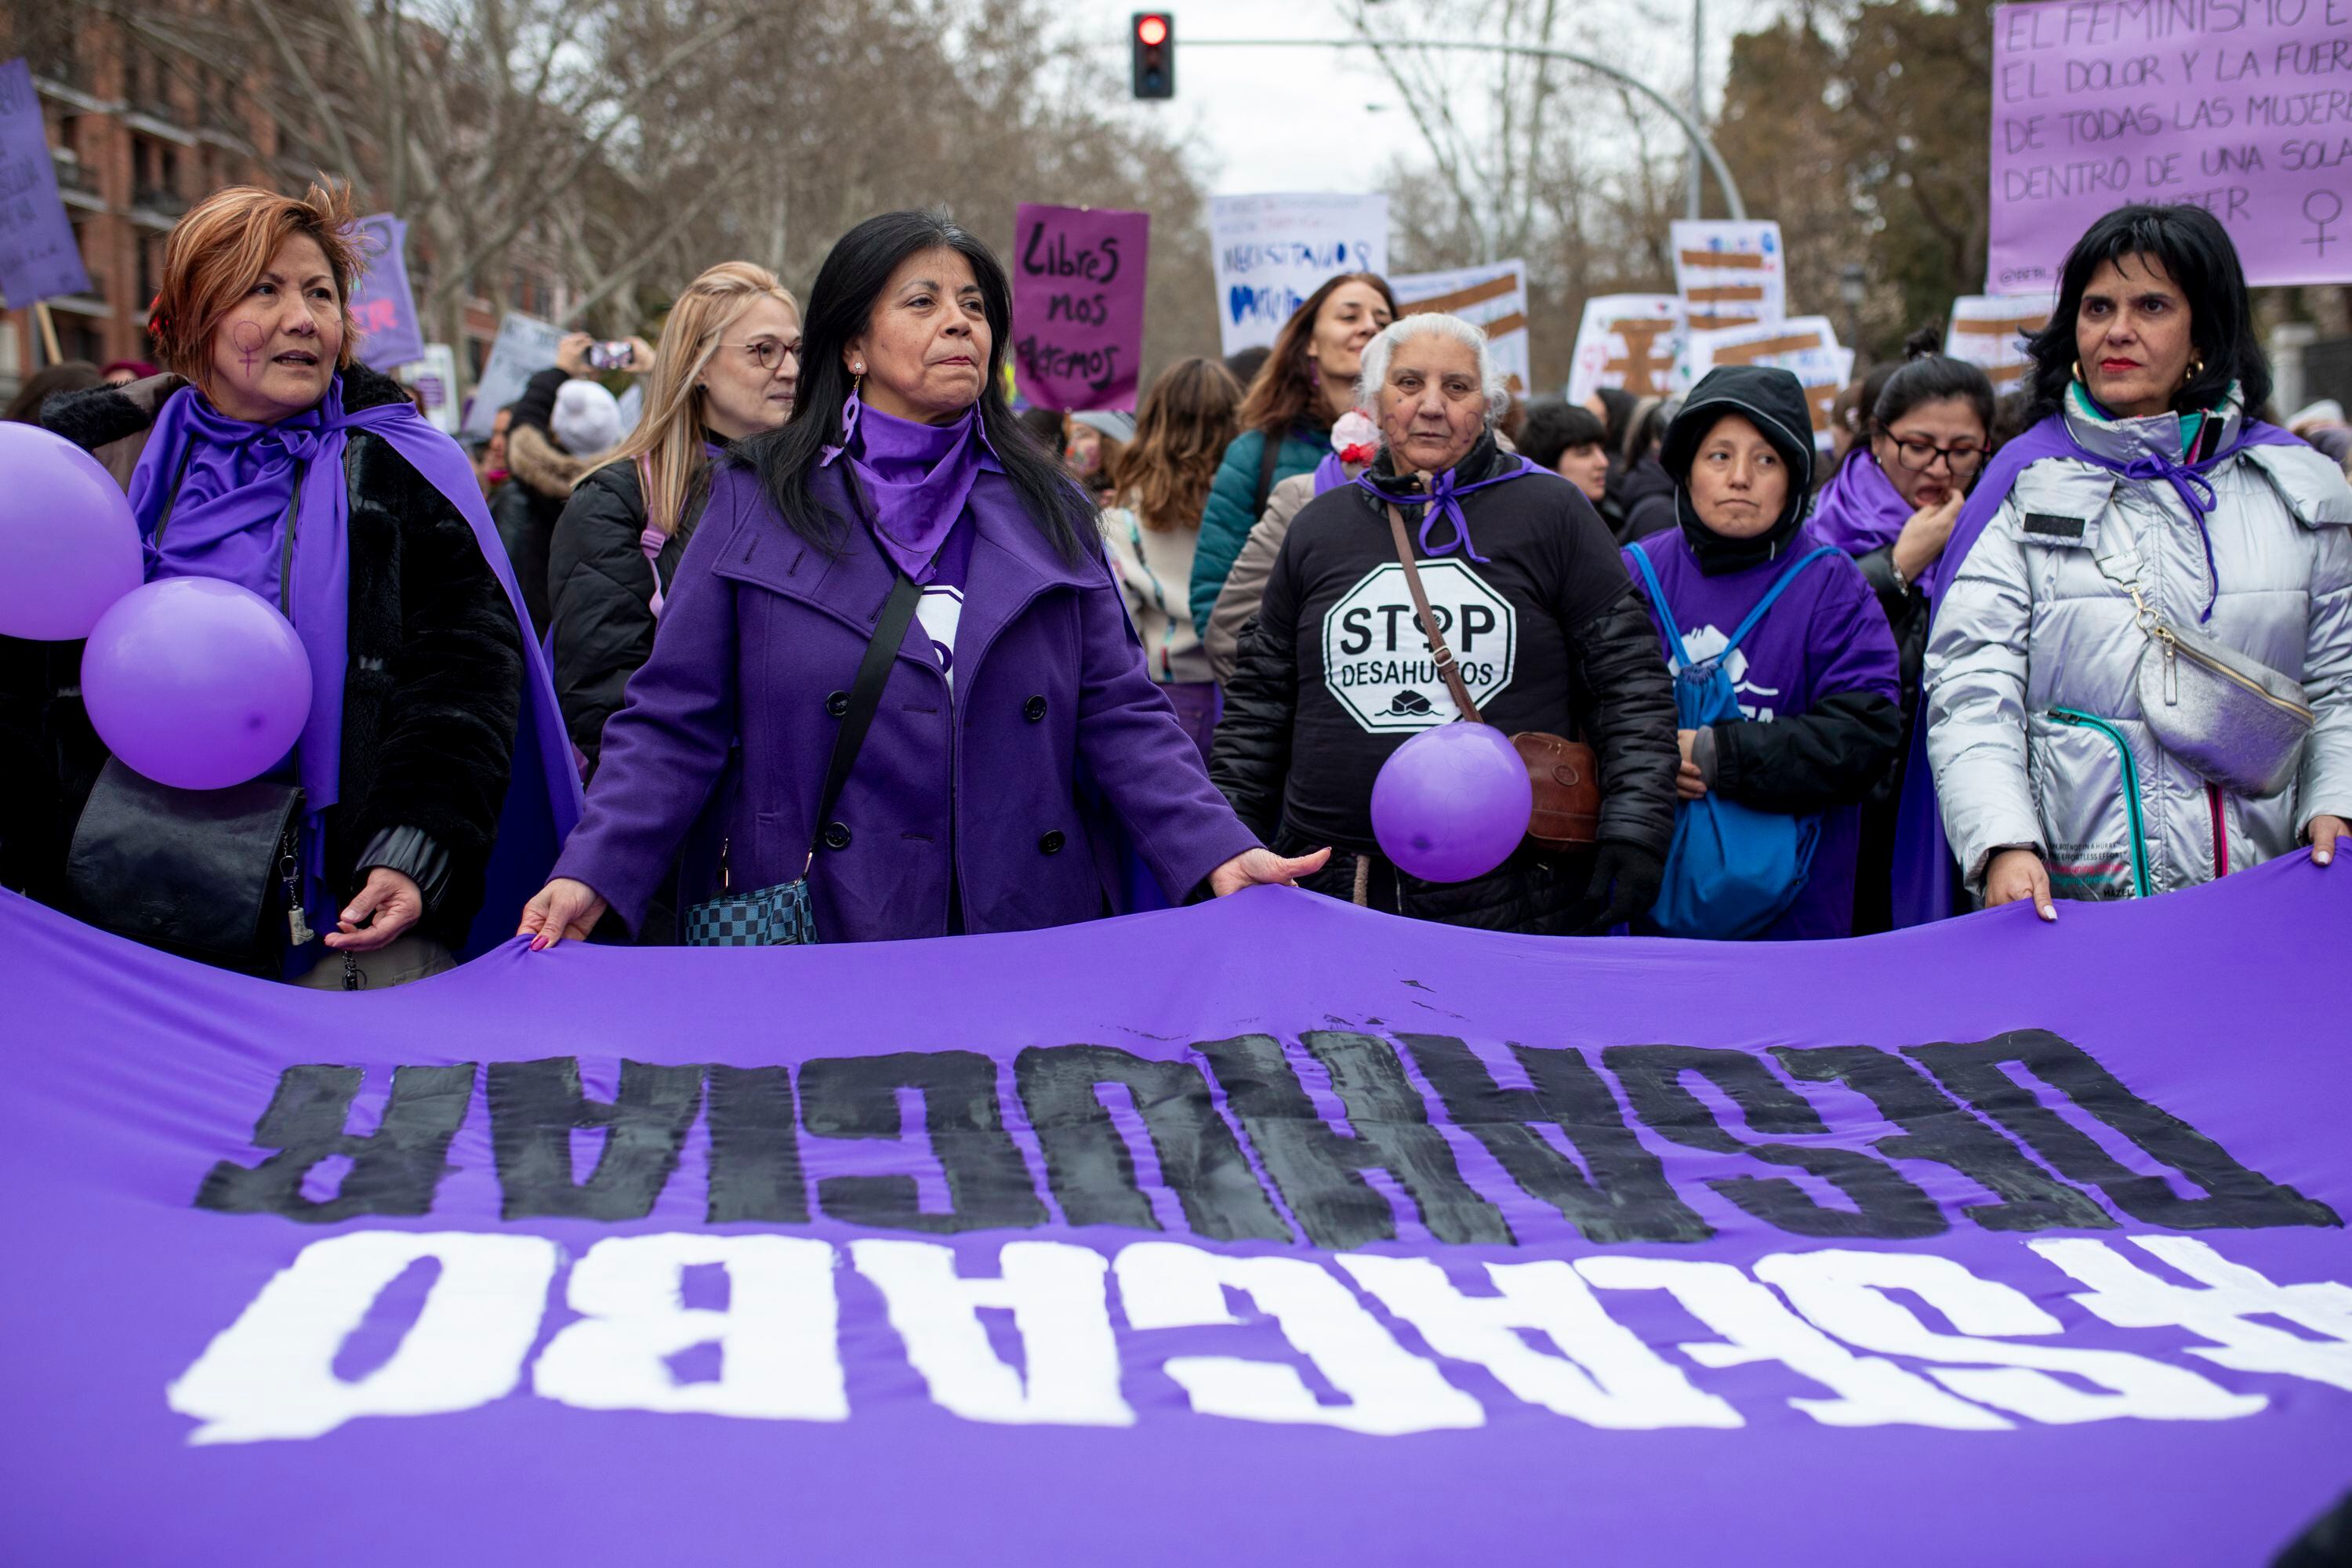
[[1860, 509], [916, 476], [1330, 473], [1447, 493], [1922, 865], [236, 516]]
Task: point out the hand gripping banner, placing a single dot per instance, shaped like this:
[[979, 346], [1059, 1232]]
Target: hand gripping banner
[[1272, 1230]]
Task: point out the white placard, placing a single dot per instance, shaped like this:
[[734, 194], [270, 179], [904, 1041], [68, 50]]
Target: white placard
[[1274, 250], [1494, 297], [1627, 340], [1806, 346], [1729, 273], [1989, 330], [435, 379], [525, 346]]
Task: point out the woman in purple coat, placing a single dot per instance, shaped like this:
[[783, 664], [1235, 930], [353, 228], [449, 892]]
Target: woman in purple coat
[[1018, 676]]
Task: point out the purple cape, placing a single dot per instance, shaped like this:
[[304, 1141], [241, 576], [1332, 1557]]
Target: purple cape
[[1860, 510], [1923, 868], [237, 481]]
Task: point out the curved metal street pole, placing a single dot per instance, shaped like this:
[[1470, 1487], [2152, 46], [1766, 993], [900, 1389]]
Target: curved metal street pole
[[1691, 128]]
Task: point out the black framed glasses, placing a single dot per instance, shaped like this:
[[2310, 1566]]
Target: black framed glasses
[[771, 352], [1919, 455]]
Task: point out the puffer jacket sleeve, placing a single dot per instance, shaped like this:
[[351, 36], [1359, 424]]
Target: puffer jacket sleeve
[[1629, 718], [1851, 733], [601, 591], [1225, 522], [1976, 689], [1250, 759], [536, 408], [2325, 786], [1245, 587]]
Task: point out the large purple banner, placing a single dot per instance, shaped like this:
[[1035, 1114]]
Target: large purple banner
[[383, 303], [2243, 107], [1268, 1231], [38, 256]]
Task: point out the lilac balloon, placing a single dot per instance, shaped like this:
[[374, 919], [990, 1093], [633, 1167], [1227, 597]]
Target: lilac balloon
[[195, 682], [69, 547], [1452, 803]]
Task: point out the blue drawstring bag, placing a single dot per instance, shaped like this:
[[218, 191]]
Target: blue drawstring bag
[[1732, 871]]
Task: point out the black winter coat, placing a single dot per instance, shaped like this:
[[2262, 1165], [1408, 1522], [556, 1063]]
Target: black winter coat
[[433, 692], [1639, 500], [1907, 613], [600, 594]]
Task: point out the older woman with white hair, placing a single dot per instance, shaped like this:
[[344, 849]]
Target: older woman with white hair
[[1528, 590]]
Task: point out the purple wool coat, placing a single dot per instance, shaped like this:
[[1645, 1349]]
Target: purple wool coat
[[761, 627]]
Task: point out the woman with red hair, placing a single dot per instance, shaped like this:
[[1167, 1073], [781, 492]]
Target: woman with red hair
[[276, 461]]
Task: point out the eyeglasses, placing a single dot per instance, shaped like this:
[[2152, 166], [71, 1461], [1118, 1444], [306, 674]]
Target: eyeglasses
[[1919, 456], [771, 352]]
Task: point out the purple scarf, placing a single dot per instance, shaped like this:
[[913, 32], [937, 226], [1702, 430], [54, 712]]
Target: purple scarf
[[236, 483], [1922, 866], [1444, 497], [1860, 510], [916, 477]]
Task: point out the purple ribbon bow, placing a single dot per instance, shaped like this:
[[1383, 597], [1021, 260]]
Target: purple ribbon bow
[[1444, 497]]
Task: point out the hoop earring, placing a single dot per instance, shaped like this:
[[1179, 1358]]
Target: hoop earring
[[2078, 369], [2196, 369]]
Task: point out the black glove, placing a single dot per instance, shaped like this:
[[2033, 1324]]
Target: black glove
[[1625, 882]]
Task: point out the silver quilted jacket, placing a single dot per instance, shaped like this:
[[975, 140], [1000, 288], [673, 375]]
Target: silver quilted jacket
[[2032, 624]]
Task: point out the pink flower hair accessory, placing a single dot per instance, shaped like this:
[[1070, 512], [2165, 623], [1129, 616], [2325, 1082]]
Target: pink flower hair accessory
[[1355, 438]]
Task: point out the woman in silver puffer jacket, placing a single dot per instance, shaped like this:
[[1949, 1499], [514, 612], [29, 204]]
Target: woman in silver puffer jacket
[[2143, 470]]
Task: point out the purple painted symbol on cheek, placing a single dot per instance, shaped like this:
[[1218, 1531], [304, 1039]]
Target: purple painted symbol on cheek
[[249, 339]]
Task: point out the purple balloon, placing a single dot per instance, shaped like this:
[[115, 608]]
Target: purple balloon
[[195, 682], [1452, 803], [69, 546]]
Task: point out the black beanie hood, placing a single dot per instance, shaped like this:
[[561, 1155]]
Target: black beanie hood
[[1774, 402]]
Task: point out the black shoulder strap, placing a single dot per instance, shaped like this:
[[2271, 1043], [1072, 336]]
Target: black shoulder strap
[[866, 696], [1267, 458]]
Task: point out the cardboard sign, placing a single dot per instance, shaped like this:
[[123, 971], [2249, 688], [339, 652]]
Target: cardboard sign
[[2242, 106], [1806, 346], [433, 374], [1627, 340], [39, 257], [525, 346], [1274, 250], [1991, 330], [1730, 274], [1494, 296], [382, 303], [1077, 304]]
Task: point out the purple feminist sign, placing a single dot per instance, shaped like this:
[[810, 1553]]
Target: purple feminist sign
[[381, 303], [1077, 305], [1272, 1230], [39, 257], [2239, 108]]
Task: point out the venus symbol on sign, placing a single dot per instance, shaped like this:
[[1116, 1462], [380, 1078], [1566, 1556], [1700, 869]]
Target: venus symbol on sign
[[2320, 221]]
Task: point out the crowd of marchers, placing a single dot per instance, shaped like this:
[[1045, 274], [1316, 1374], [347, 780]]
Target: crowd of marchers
[[845, 649]]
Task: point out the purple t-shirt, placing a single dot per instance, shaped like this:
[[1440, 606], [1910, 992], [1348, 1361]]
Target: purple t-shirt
[[1824, 635]]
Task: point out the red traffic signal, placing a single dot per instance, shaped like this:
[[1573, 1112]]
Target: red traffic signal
[[1153, 34]]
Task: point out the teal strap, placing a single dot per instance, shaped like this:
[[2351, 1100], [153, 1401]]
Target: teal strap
[[1773, 592], [1641, 559]]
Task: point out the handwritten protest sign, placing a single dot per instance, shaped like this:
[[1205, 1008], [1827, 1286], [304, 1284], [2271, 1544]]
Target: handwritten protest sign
[[382, 303], [1991, 330], [1627, 340], [525, 345], [1274, 250], [1729, 273], [1077, 304], [1806, 346], [39, 257], [2242, 106], [1494, 296], [433, 374]]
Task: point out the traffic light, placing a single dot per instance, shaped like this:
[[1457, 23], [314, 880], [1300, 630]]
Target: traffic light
[[1154, 34]]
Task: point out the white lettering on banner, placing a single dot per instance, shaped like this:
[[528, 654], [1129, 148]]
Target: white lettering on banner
[[1055, 1293], [1377, 659], [271, 1374], [1603, 1375], [1845, 1293], [779, 1352]]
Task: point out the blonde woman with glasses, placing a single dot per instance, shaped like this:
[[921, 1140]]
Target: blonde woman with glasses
[[726, 369]]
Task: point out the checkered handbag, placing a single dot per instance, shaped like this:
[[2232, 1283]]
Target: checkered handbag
[[771, 917]]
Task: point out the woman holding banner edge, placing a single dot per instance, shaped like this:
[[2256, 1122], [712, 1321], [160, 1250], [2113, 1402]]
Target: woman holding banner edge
[[2145, 538]]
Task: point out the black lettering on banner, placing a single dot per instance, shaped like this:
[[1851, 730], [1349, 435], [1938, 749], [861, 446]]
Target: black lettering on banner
[[1934, 1128], [1316, 1169], [2241, 1199], [536, 1106], [988, 1181], [755, 1158], [1628, 1197], [1090, 1168], [1887, 1205], [394, 1169]]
